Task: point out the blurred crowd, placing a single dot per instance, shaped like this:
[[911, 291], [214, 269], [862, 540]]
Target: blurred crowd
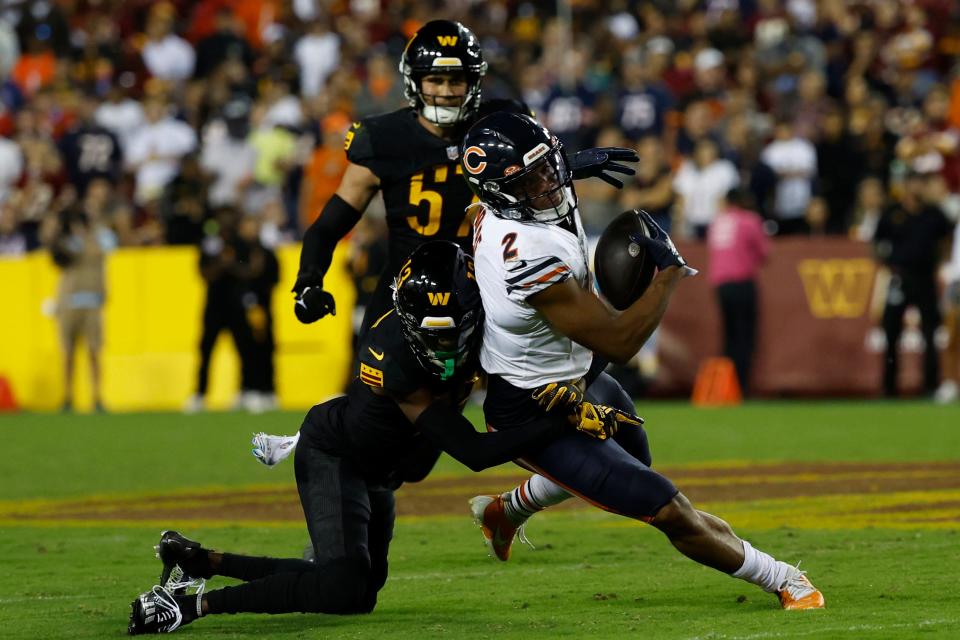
[[173, 122], [151, 116]]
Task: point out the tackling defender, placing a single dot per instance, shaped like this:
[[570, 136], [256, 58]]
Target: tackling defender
[[543, 322], [418, 363]]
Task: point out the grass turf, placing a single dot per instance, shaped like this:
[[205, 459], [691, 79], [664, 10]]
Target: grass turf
[[587, 578]]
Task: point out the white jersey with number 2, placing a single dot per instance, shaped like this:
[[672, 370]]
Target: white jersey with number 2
[[515, 260]]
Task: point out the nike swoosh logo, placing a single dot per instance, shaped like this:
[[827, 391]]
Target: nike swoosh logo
[[378, 356]]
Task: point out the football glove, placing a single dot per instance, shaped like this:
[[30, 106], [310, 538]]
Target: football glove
[[601, 422], [312, 302], [563, 395], [659, 245], [597, 162], [271, 450]]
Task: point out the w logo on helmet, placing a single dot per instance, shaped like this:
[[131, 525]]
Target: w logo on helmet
[[447, 41], [438, 298]]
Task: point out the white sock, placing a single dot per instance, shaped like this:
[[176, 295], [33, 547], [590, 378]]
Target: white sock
[[762, 569], [535, 494]]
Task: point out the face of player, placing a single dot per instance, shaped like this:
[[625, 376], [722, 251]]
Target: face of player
[[444, 89], [540, 187]]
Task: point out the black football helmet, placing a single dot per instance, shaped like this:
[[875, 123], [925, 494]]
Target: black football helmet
[[518, 169], [443, 46], [438, 301]]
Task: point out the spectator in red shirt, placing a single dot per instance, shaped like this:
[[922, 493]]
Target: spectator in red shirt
[[737, 247]]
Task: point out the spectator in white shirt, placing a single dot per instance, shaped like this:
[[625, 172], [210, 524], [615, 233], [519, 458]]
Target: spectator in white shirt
[[11, 166], [166, 55], [701, 184], [794, 161], [121, 115], [227, 154], [155, 151], [317, 53]]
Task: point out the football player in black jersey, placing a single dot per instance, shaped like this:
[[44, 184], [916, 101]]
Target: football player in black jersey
[[417, 365], [412, 157]]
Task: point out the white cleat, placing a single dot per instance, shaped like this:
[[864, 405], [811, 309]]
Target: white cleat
[[271, 450]]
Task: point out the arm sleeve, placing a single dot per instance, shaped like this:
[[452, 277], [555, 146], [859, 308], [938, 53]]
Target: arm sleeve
[[453, 433], [336, 220], [527, 277]]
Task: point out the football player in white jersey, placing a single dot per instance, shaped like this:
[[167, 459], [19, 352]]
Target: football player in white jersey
[[544, 325]]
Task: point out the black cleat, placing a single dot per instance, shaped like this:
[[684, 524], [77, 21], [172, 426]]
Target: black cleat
[[185, 562], [155, 611]]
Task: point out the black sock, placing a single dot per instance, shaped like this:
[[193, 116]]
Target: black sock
[[188, 607]]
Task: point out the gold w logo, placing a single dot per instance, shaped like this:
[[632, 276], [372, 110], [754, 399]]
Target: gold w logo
[[438, 298], [837, 288], [447, 41]]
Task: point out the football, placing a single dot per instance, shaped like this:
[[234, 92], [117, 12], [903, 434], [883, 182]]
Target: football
[[623, 268]]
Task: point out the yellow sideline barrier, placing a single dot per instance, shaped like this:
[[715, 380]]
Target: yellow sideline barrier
[[152, 324]]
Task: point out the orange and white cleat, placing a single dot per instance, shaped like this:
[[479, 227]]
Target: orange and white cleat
[[799, 593], [498, 530]]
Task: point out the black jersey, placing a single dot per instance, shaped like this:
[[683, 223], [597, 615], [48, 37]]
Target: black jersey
[[424, 191], [367, 427]]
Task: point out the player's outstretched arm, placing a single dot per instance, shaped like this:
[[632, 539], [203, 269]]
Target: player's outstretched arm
[[582, 317], [339, 216], [443, 424]]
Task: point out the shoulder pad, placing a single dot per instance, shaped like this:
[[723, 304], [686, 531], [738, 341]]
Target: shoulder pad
[[384, 359]]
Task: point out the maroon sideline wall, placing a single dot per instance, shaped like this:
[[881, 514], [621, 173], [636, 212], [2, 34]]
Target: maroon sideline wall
[[819, 301]]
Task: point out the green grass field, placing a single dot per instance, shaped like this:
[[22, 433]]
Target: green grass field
[[593, 574]]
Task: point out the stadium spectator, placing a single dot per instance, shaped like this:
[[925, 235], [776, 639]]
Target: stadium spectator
[[840, 166], [223, 254], [227, 153], [908, 241], [121, 114], [794, 161], [11, 166], [738, 248], [317, 53], [652, 190], [275, 148], [643, 108], [259, 277], [324, 169], [155, 151], [226, 42], [79, 244], [165, 54], [183, 207], [90, 150], [701, 184], [871, 201]]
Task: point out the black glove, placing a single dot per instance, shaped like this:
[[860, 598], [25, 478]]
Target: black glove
[[564, 395], [601, 422], [594, 163], [313, 304], [658, 244]]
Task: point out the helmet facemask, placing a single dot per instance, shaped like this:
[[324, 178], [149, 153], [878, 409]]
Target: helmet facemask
[[440, 344], [541, 191], [425, 104]]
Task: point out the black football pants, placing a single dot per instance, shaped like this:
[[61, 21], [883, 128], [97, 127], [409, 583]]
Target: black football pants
[[350, 525]]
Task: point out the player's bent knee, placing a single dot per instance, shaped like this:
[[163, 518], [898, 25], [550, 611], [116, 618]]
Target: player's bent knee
[[341, 587], [678, 518]]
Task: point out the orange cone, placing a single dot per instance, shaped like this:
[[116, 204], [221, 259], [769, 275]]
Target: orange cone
[[716, 384], [7, 401]]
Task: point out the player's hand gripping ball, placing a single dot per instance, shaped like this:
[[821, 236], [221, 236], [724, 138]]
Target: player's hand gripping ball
[[624, 268]]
